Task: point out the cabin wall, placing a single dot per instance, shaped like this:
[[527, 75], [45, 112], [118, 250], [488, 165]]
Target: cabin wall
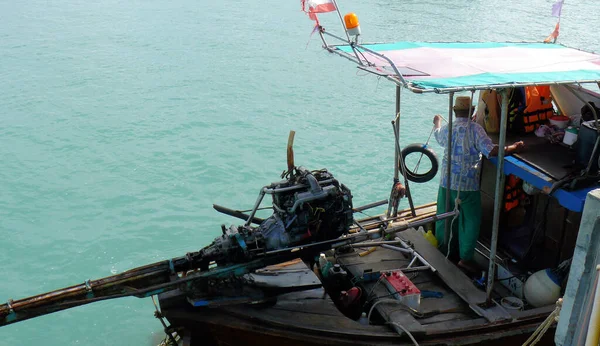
[[552, 227]]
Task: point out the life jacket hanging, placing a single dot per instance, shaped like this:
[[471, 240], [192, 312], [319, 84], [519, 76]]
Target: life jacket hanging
[[529, 107], [513, 192]]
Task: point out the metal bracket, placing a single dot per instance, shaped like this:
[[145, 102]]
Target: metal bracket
[[88, 285], [10, 307]]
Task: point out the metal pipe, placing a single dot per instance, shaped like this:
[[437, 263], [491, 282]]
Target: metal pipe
[[416, 254], [269, 190], [370, 205], [500, 177], [416, 269], [393, 211], [359, 226], [362, 236], [447, 224], [411, 262], [403, 167], [337, 9], [406, 225], [396, 138], [261, 195], [375, 243], [236, 213], [392, 65]]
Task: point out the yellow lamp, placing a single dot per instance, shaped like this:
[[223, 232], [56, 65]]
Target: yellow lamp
[[352, 25]]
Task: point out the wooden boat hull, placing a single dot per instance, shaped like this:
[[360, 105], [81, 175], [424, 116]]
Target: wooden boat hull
[[246, 327], [310, 316]]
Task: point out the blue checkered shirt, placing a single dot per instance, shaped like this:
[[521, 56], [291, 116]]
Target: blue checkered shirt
[[466, 154]]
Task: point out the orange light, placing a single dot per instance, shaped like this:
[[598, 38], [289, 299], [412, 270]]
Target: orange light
[[351, 21]]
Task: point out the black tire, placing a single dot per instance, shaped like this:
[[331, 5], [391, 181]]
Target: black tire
[[420, 148]]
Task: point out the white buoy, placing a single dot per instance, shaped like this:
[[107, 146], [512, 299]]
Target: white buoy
[[542, 288]]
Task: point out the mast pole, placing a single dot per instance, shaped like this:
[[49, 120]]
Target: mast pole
[[399, 165], [393, 211], [396, 138], [500, 177], [448, 169]]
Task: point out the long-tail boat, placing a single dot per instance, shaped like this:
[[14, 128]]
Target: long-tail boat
[[314, 274]]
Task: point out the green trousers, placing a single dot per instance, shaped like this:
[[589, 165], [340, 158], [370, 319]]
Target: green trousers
[[465, 229]]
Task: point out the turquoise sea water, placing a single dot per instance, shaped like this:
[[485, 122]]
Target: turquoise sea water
[[121, 122]]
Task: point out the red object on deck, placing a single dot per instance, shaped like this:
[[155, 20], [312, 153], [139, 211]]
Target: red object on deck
[[402, 288]]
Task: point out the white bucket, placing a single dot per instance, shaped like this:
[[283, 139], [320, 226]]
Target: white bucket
[[570, 136]]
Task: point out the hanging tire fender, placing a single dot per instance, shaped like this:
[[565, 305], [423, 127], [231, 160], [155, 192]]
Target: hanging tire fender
[[425, 151]]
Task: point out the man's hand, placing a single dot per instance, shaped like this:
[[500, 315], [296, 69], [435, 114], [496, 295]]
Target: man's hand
[[516, 147], [437, 121], [510, 149]]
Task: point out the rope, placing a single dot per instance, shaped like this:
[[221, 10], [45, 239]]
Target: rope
[[543, 328], [169, 339], [412, 338], [422, 154], [394, 323]]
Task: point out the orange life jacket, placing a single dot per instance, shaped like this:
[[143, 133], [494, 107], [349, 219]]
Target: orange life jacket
[[538, 109], [513, 192]]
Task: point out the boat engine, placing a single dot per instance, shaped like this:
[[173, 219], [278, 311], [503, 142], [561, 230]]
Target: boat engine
[[310, 211], [307, 207]]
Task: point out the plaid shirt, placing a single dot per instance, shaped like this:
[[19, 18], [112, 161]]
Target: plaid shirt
[[466, 154]]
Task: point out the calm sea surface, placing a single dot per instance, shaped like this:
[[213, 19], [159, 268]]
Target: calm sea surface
[[121, 122]]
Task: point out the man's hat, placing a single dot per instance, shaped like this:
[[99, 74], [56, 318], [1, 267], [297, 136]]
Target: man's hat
[[463, 104]]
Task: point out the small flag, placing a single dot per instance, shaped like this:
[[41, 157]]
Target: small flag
[[557, 8], [554, 35], [312, 7]]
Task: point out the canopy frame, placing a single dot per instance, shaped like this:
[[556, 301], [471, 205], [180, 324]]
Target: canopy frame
[[399, 79]]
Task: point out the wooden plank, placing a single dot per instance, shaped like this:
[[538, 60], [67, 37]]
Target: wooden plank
[[451, 316], [449, 326], [454, 277], [450, 301], [402, 317], [532, 313]]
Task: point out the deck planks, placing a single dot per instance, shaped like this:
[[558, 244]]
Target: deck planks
[[454, 277]]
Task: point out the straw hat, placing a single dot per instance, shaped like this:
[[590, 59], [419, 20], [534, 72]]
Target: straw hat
[[463, 104]]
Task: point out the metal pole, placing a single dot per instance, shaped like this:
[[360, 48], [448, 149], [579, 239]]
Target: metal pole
[[448, 169], [500, 177], [397, 146], [403, 167], [392, 212], [337, 9]]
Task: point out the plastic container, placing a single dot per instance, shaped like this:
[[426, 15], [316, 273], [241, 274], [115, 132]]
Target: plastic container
[[363, 319], [512, 303], [570, 135], [560, 121], [337, 271], [324, 265], [322, 261], [431, 238]]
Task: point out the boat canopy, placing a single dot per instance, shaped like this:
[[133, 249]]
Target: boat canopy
[[445, 67]]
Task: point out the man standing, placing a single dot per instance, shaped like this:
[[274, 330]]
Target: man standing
[[469, 142]]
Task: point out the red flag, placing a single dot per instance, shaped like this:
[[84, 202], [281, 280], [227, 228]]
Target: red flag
[[312, 7], [554, 35]]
